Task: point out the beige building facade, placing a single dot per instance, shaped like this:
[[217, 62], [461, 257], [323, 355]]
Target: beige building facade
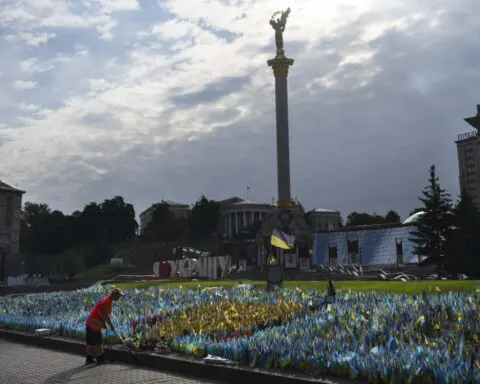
[[321, 219], [468, 150], [10, 218]]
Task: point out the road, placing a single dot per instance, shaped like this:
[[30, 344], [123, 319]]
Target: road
[[21, 364]]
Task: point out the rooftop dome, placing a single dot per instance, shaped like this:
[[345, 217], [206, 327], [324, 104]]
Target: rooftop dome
[[414, 218]]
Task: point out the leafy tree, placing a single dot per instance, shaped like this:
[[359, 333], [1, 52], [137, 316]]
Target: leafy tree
[[360, 218], [112, 221], [204, 219], [296, 203], [392, 217], [34, 211], [91, 224], [71, 263], [99, 254], [118, 220], [462, 247], [45, 231], [432, 228]]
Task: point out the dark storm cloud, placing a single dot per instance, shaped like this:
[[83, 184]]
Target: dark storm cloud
[[352, 148], [212, 92], [363, 134]]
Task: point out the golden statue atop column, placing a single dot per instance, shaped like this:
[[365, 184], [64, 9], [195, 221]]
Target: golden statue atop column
[[280, 64]]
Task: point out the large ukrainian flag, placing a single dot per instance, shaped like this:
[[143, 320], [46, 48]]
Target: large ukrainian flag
[[280, 239]]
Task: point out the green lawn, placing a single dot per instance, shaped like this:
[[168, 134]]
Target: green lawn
[[390, 286]]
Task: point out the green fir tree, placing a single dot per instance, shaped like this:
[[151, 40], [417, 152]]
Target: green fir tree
[[462, 248], [432, 228]]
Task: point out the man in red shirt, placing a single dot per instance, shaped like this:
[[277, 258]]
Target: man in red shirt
[[98, 319]]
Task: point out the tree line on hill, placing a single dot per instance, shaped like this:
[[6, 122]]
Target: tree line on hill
[[447, 235], [56, 242], [202, 222], [362, 218]]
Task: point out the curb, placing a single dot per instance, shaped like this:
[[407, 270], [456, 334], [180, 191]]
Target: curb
[[172, 363]]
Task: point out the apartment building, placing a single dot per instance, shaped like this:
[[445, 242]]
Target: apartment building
[[10, 214], [468, 149]]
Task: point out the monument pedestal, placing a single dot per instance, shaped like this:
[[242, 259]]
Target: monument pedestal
[[291, 221]]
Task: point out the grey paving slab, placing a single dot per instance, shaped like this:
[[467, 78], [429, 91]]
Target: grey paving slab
[[21, 364]]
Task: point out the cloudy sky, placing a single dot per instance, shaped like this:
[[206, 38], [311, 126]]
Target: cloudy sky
[[173, 99]]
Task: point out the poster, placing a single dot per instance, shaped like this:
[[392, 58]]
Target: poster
[[304, 264], [242, 265], [290, 260], [354, 258], [332, 255], [399, 249], [352, 246]]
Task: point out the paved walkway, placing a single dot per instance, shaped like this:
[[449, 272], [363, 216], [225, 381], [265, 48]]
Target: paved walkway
[[21, 364]]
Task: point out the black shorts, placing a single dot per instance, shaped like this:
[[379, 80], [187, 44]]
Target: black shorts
[[94, 339]]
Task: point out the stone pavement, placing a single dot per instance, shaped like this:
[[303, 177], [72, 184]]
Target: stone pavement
[[21, 364]]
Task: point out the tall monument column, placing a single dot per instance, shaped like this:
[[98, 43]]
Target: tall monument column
[[287, 217], [280, 65]]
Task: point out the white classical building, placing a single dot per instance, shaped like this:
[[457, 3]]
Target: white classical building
[[237, 214]]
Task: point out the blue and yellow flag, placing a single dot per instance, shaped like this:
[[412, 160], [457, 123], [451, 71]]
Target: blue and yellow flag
[[280, 239]]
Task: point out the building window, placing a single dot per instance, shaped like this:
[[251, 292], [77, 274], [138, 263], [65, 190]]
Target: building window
[[9, 212]]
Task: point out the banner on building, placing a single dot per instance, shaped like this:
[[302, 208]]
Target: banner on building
[[353, 252], [304, 264], [290, 260], [354, 258], [332, 255], [353, 246], [242, 265], [399, 249]]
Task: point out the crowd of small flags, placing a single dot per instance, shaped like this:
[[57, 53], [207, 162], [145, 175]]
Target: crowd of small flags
[[383, 338]]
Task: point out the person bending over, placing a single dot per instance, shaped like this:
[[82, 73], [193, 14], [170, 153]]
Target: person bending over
[[98, 319]]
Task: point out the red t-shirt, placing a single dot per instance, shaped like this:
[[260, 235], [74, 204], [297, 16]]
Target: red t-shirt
[[96, 319]]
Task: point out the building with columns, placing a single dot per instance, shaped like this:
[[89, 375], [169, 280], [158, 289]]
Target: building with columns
[[237, 214]]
